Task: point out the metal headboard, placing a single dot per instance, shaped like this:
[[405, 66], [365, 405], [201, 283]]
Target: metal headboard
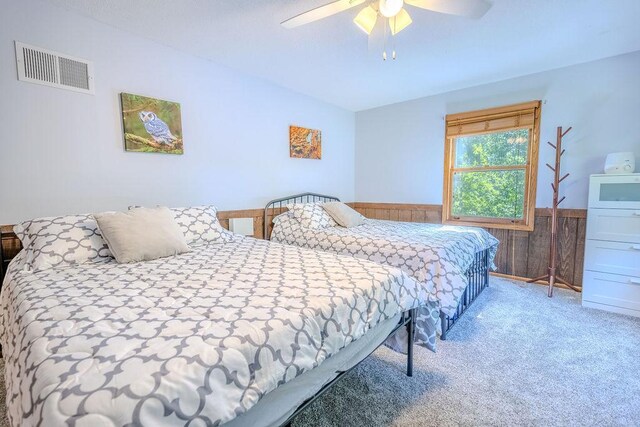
[[298, 198]]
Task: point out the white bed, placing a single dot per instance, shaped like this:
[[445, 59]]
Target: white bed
[[448, 258], [238, 333]]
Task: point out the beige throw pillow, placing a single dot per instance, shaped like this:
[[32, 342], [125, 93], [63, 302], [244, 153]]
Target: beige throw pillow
[[142, 234], [343, 214]]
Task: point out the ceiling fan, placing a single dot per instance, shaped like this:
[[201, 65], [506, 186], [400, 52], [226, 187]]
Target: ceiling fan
[[391, 13]]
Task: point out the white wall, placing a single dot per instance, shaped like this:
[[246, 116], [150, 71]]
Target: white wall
[[400, 147], [62, 152]]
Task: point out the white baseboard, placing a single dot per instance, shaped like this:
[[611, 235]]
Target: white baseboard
[[613, 309]]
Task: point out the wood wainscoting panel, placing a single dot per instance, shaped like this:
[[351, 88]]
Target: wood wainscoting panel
[[400, 211], [501, 260], [418, 216], [579, 258], [404, 215], [567, 233], [539, 240], [10, 243], [521, 253], [256, 214], [518, 245]]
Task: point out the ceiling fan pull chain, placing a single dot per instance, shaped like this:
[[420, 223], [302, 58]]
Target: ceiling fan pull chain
[[393, 40], [384, 53]]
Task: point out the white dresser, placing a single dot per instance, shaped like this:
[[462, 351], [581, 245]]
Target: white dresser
[[611, 278]]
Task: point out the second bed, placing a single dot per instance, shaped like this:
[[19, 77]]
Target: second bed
[[455, 259]]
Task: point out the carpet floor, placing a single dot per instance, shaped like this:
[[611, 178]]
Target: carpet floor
[[515, 358]]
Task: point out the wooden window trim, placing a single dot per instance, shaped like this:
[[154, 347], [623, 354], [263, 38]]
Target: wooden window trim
[[494, 120]]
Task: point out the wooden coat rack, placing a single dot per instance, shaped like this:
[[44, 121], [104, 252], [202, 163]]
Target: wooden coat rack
[[552, 277]]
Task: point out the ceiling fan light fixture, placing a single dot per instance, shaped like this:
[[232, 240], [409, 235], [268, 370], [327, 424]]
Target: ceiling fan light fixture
[[366, 19], [399, 22], [390, 8]]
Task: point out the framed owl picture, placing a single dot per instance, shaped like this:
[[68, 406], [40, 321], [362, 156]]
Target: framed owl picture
[[305, 143], [151, 125]]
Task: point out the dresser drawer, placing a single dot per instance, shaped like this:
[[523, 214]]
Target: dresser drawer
[[618, 225], [613, 257], [612, 290], [615, 191]]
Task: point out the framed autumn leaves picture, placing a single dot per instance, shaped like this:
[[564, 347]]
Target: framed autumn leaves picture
[[305, 143]]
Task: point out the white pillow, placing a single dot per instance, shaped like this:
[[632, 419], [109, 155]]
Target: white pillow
[[60, 241], [200, 225], [311, 215], [343, 214], [142, 234]]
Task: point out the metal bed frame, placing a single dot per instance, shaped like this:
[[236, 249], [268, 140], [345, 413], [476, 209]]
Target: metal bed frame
[[283, 202], [407, 320], [477, 274]]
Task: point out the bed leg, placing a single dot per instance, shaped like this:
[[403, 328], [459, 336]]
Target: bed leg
[[411, 332], [444, 324], [486, 267]]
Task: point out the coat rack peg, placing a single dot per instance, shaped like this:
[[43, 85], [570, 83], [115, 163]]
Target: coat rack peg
[[552, 277]]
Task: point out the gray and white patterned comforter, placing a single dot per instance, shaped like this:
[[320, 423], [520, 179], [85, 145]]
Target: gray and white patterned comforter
[[195, 339], [430, 253]]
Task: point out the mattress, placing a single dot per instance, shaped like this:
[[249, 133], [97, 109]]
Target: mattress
[[198, 338], [430, 253]]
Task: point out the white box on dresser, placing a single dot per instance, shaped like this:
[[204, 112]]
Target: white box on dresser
[[611, 279]]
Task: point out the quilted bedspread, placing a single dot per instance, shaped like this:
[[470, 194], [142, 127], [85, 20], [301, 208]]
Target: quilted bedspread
[[195, 339], [430, 253]]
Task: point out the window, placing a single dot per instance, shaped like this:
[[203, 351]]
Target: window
[[491, 165]]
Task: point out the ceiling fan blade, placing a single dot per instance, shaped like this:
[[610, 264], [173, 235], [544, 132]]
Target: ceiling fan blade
[[470, 8], [366, 19], [321, 12], [399, 22]]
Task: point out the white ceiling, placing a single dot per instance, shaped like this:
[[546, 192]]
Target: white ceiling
[[330, 59]]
